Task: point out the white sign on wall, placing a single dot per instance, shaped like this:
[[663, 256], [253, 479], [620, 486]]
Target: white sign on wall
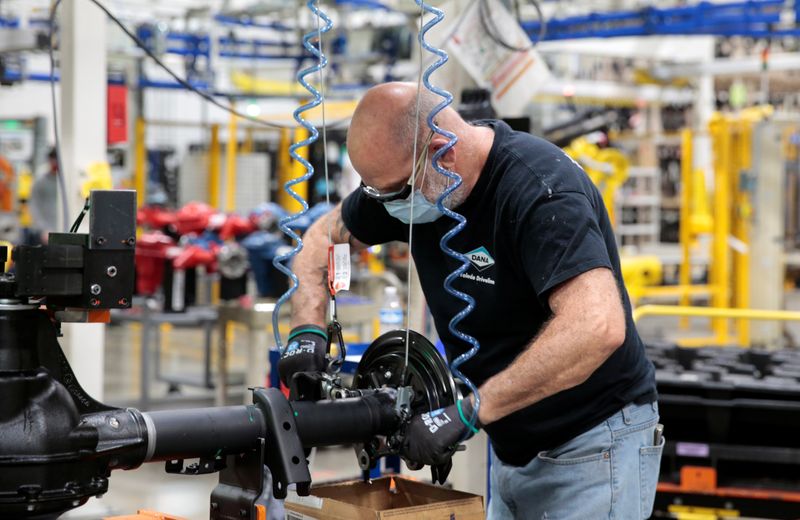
[[513, 77]]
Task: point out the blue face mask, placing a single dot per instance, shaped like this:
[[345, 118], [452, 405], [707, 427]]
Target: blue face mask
[[424, 211]]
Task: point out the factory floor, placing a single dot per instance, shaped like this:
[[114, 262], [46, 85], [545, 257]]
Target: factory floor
[[149, 487]]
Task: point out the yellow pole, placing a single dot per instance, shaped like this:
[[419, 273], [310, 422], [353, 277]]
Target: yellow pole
[[734, 168], [300, 134], [741, 229], [283, 164], [230, 166], [247, 145], [720, 259], [687, 158], [140, 162], [291, 169], [213, 167]]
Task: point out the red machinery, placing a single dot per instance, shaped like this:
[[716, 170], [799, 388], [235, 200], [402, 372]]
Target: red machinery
[[193, 236]]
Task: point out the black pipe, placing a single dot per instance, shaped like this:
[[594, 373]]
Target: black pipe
[[178, 434], [344, 421]]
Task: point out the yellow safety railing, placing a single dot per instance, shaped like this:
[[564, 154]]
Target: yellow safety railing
[[727, 221], [714, 312], [719, 313]]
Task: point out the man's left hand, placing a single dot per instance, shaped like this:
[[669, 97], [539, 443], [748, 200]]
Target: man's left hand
[[432, 437]]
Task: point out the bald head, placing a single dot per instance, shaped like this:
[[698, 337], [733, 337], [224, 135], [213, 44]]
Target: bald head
[[382, 132], [387, 123]]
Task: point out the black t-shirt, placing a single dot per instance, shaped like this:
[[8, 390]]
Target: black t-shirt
[[534, 220]]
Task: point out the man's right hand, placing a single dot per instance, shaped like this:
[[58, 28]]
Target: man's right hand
[[432, 437], [305, 352]]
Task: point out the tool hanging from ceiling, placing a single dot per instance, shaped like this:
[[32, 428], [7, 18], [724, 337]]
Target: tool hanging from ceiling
[[280, 262], [454, 182]]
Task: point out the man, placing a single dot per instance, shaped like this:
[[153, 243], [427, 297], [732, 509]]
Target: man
[[567, 395]]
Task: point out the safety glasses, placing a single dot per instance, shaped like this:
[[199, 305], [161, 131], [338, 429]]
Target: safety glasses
[[373, 193]]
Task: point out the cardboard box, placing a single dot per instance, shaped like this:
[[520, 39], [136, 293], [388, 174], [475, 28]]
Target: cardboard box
[[394, 498]]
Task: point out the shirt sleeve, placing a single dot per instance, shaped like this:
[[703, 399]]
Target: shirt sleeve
[[369, 221], [560, 238]]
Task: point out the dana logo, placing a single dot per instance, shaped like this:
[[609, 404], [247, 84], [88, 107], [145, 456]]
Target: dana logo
[[481, 258]]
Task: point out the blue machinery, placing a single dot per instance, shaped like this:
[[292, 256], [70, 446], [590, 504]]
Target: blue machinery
[[754, 19]]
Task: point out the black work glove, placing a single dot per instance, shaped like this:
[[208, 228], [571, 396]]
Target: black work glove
[[432, 437], [305, 352]]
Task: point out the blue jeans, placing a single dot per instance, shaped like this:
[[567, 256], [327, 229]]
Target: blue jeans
[[610, 472]]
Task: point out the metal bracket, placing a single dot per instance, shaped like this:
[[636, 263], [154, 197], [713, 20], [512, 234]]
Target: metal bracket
[[307, 386], [240, 485], [284, 452], [403, 404]]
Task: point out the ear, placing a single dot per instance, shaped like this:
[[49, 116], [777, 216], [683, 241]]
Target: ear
[[448, 160]]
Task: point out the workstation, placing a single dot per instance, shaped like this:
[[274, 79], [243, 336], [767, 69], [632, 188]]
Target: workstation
[[333, 259]]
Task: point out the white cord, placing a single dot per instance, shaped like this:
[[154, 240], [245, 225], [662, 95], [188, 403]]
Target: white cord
[[324, 126], [410, 272]]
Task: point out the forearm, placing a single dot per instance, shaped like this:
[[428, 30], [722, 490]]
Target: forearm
[[310, 300], [562, 356], [587, 326]]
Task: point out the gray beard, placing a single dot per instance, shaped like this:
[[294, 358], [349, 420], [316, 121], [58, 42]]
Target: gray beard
[[435, 185]]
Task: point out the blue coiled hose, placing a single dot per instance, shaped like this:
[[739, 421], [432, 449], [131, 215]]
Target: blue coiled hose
[[461, 222], [283, 224]]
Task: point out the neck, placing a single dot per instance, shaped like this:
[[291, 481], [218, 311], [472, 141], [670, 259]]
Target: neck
[[478, 140]]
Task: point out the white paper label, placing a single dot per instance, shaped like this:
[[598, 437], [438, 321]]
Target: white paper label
[[341, 267]]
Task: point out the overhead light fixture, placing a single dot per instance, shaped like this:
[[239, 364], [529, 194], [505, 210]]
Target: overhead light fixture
[[253, 109]]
